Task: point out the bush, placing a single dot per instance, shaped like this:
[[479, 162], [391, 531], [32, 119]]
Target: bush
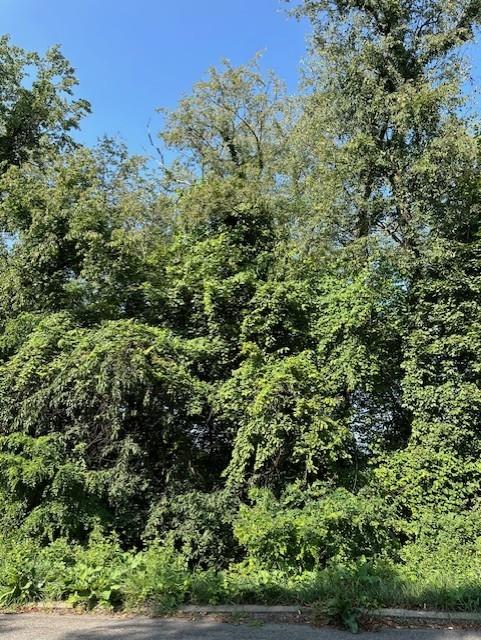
[[200, 526], [45, 492], [97, 574], [303, 531], [21, 578], [441, 568], [208, 587], [158, 578]]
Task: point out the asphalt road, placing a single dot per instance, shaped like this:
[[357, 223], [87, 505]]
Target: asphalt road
[[82, 627]]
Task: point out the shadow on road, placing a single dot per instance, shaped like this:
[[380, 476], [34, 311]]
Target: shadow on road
[[7, 627], [201, 630], [43, 627]]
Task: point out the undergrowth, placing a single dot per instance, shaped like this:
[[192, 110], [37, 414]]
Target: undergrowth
[[158, 579]]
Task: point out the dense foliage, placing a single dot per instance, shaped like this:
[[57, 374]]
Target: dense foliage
[[253, 372]]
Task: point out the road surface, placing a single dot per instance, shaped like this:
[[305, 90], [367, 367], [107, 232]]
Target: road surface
[[82, 627]]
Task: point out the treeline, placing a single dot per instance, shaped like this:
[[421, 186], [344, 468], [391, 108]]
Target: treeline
[[270, 345]]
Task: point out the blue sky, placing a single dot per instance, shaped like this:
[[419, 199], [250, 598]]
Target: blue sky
[[133, 56]]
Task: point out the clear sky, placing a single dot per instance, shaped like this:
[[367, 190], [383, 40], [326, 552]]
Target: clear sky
[[132, 56]]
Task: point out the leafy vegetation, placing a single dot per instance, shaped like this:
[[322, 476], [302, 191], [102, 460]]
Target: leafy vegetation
[[251, 374]]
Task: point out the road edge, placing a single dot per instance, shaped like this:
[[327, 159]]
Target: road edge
[[404, 615]]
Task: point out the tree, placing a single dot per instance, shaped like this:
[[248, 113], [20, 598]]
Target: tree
[[37, 105], [77, 231], [293, 300], [125, 394], [46, 491], [319, 388], [383, 121], [226, 224], [402, 166], [231, 125]]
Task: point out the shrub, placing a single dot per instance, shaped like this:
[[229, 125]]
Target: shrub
[[157, 577], [97, 574], [298, 533], [45, 491], [208, 587], [200, 526], [21, 578]]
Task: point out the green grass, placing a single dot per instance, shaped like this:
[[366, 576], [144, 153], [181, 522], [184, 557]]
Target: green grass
[[159, 579]]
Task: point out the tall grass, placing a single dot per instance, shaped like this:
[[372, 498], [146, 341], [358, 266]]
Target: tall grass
[[158, 578]]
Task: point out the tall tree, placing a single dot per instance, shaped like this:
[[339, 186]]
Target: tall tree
[[38, 109], [77, 232], [383, 120], [397, 163], [231, 124]]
